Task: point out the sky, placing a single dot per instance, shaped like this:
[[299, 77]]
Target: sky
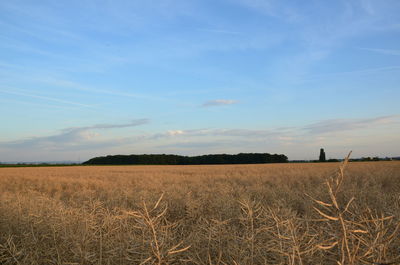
[[85, 78]]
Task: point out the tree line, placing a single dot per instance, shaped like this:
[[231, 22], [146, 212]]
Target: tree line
[[163, 159]]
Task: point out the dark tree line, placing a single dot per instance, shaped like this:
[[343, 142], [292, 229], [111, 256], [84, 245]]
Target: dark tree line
[[162, 159]]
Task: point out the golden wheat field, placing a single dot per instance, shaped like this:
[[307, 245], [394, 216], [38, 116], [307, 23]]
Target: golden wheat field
[[227, 214]]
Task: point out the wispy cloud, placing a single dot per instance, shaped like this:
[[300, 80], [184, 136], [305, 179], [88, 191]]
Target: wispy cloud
[[221, 31], [45, 32], [110, 125], [82, 87], [227, 133], [272, 8], [37, 105], [219, 102], [338, 134], [367, 71], [300, 133], [383, 51], [338, 125], [74, 137], [310, 133], [197, 145], [27, 94]]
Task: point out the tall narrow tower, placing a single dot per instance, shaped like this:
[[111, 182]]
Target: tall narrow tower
[[322, 157]]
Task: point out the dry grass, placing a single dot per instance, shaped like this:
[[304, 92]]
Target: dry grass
[[236, 214]]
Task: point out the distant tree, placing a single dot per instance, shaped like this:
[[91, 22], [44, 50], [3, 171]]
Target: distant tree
[[322, 157], [332, 160], [163, 159], [366, 159]]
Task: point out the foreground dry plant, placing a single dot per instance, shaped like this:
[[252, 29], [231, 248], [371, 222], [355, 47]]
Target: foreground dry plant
[[237, 214]]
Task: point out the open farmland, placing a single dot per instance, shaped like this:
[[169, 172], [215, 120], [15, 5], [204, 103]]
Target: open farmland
[[227, 214]]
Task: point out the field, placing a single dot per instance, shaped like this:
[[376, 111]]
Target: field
[[228, 214]]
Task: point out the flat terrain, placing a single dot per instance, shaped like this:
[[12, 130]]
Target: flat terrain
[[224, 214]]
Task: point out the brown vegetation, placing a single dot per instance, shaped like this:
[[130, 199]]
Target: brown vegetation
[[236, 214]]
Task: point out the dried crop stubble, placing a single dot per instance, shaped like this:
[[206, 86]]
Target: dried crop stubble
[[228, 214]]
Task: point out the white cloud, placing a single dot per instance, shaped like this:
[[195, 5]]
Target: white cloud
[[219, 102], [175, 132]]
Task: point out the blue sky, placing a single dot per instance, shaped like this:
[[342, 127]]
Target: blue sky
[[85, 78]]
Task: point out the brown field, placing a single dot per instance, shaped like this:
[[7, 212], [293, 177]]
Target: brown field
[[228, 214]]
